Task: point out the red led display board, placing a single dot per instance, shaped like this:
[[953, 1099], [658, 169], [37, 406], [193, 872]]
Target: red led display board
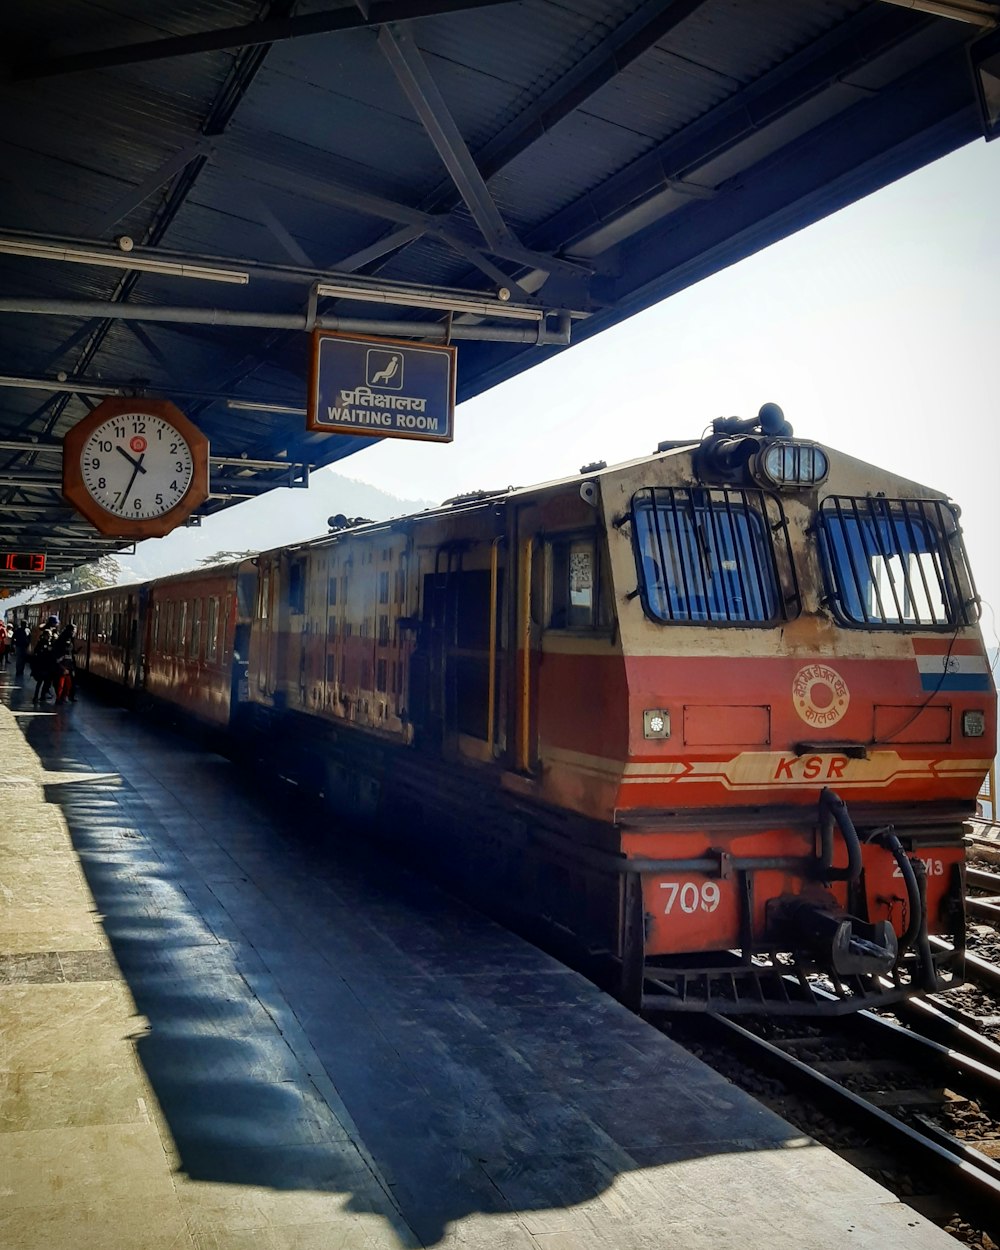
[[22, 562]]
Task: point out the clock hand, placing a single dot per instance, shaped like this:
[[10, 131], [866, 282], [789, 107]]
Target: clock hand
[[137, 463], [135, 473]]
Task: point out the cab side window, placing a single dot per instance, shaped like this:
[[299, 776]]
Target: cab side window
[[575, 585]]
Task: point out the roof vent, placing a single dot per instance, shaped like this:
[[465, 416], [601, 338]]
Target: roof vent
[[595, 467], [341, 522], [473, 496]]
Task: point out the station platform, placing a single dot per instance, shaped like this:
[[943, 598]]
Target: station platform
[[220, 1028]]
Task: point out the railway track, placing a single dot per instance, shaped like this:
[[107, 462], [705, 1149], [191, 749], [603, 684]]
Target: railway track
[[912, 1098], [983, 908], [881, 1093]]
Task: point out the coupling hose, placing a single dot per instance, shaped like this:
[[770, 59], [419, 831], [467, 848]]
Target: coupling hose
[[833, 810], [915, 896]]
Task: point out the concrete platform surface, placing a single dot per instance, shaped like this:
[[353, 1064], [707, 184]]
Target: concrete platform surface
[[221, 1028]]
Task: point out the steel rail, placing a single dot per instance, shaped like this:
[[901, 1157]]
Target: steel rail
[[984, 909], [932, 1019], [982, 879], [961, 1167], [982, 1076]]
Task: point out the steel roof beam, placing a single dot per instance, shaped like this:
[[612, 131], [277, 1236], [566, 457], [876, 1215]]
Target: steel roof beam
[[289, 244], [141, 335], [241, 74], [429, 105], [327, 191], [827, 62], [632, 39], [375, 251], [135, 196], [636, 36], [67, 345], [228, 38], [436, 330]]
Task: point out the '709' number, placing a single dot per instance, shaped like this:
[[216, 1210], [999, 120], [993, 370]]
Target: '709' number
[[691, 897]]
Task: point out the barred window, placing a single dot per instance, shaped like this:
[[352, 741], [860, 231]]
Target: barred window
[[708, 555], [890, 563]]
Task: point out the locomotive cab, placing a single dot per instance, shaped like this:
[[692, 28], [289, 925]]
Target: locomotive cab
[[811, 714]]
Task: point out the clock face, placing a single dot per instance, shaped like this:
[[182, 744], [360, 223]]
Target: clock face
[[136, 466]]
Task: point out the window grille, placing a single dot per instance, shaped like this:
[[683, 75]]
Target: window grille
[[890, 563], [709, 555]]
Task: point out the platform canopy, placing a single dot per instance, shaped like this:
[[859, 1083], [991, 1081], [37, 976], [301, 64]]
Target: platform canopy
[[189, 189]]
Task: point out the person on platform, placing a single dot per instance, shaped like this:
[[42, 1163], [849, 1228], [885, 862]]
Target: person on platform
[[43, 659], [22, 646], [64, 661], [5, 644]]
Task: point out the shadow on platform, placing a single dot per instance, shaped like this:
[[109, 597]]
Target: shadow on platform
[[321, 1019]]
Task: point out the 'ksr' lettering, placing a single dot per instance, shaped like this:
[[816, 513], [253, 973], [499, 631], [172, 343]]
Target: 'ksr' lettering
[[810, 767]]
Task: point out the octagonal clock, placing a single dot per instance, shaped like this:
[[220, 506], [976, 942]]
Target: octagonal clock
[[135, 468]]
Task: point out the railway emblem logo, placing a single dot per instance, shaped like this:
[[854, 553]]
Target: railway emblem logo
[[820, 695]]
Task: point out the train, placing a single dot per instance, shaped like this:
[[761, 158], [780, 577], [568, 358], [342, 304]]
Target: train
[[708, 723]]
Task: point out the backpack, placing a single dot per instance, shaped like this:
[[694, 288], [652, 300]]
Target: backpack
[[41, 657]]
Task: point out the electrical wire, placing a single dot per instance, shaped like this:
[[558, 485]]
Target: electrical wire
[[921, 706]]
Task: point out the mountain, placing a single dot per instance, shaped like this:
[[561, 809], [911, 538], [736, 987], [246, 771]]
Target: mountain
[[280, 517]]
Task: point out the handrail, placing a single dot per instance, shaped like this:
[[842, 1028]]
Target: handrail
[[524, 640], [491, 700]]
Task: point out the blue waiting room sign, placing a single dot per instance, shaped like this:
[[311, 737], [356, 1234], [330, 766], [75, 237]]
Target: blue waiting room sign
[[381, 388]]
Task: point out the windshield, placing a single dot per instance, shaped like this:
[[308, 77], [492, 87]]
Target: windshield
[[705, 555], [891, 563]]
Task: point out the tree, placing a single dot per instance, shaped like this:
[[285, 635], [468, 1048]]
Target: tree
[[226, 557], [94, 575]]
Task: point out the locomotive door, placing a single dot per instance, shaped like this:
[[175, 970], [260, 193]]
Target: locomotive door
[[452, 694], [428, 667]]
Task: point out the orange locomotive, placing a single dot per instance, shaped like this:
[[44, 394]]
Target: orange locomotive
[[714, 717]]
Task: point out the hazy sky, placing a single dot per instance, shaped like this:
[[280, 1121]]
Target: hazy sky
[[876, 330]]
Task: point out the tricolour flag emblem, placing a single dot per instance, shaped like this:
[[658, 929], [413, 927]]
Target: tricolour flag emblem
[[951, 664]]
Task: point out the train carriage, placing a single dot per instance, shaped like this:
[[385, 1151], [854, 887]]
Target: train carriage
[[719, 714], [190, 656], [711, 721]]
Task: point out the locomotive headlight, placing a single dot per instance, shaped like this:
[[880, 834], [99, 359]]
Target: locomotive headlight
[[973, 724], [655, 723], [792, 464]]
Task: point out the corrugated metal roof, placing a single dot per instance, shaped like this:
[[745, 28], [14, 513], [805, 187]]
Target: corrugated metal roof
[[303, 151]]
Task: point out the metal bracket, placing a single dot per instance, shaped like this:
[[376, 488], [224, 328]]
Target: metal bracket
[[726, 868], [312, 300]]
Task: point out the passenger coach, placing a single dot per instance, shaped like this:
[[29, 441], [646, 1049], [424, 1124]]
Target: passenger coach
[[712, 719]]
